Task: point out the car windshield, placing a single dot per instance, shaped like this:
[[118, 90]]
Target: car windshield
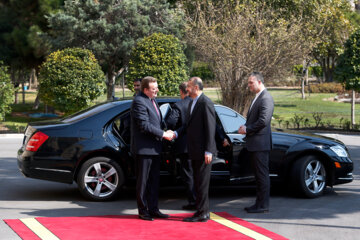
[[89, 112]]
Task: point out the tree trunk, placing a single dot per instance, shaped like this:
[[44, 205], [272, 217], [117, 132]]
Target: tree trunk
[[353, 98], [37, 102], [23, 91], [33, 79], [305, 78], [110, 82]]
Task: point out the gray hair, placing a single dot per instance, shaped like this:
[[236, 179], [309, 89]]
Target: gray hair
[[258, 76], [197, 81]]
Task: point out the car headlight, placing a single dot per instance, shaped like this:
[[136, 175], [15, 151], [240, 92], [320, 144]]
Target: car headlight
[[340, 151]]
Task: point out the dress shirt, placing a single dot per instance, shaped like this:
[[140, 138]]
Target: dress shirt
[[256, 96]]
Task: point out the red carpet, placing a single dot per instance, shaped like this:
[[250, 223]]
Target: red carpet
[[222, 226]]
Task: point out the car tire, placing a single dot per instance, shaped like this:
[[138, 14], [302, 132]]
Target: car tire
[[309, 177], [100, 179]]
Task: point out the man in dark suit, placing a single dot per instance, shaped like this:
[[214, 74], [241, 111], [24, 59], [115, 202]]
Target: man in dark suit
[[200, 130], [146, 145], [259, 140], [175, 120], [137, 86]]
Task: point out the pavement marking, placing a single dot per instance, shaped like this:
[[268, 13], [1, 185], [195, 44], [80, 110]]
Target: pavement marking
[[39, 229], [237, 227]]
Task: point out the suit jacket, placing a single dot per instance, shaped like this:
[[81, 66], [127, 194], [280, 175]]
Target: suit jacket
[[200, 128], [258, 123], [146, 127], [176, 119]]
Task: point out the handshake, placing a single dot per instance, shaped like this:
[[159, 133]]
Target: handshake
[[169, 135]]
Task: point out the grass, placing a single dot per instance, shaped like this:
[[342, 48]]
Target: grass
[[288, 103]]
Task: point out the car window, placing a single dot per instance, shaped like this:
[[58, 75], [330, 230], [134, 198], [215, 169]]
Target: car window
[[230, 119], [164, 109], [121, 126]]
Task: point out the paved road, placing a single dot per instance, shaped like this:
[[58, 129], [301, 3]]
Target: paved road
[[336, 215]]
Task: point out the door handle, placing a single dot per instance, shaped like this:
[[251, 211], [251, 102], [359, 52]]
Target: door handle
[[237, 141]]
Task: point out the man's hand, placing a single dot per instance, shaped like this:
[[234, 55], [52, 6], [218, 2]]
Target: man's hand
[[242, 129], [226, 143], [169, 135], [208, 158]]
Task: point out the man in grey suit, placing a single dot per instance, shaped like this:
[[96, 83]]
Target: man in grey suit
[[259, 140], [146, 145], [200, 130]]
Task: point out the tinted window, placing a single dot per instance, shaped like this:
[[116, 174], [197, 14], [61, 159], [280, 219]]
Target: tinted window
[[230, 119], [88, 112], [164, 109], [121, 126]]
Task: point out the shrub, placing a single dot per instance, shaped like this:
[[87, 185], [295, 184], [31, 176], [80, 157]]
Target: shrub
[[318, 118], [326, 88], [6, 91], [297, 119], [70, 79], [160, 56]]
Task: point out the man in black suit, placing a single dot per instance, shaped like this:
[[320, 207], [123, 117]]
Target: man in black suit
[[200, 130], [259, 140], [146, 145], [137, 86], [175, 120]]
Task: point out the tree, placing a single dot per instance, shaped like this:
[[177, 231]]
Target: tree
[[238, 37], [110, 29], [70, 79], [6, 91], [161, 56], [348, 68], [333, 35], [22, 22]]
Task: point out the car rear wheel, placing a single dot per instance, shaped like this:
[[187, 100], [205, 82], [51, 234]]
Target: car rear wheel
[[100, 179], [309, 176]]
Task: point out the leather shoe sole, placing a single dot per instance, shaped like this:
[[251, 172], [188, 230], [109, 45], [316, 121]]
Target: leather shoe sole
[[159, 215], [146, 217], [257, 210], [201, 218]]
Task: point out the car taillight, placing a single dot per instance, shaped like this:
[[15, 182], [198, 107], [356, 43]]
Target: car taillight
[[36, 141]]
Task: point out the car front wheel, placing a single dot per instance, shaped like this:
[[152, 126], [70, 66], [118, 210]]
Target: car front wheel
[[100, 179], [309, 176]]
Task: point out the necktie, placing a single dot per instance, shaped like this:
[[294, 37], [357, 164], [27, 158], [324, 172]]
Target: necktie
[[157, 111]]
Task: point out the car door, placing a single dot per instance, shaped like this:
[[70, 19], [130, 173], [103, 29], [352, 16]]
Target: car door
[[168, 161], [239, 165]]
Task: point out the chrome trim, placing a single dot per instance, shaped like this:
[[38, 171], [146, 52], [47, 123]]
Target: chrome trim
[[53, 170], [273, 175], [345, 178]]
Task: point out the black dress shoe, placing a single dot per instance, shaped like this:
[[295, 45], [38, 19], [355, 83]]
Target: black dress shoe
[[146, 217], [199, 218], [158, 214], [254, 209], [189, 207], [251, 207]]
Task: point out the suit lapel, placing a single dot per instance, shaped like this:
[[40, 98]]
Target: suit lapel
[[151, 106], [196, 107], [255, 103]]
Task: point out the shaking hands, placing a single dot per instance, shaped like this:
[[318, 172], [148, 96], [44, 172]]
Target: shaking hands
[[169, 135]]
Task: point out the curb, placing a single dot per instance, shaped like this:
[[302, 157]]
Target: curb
[[12, 135]]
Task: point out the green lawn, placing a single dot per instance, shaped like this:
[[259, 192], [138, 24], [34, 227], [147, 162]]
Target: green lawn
[[287, 104]]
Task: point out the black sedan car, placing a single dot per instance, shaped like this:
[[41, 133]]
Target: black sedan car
[[92, 148]]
